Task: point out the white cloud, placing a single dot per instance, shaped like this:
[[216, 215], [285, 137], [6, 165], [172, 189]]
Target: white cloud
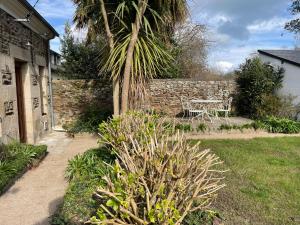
[[224, 66], [276, 23], [55, 9]]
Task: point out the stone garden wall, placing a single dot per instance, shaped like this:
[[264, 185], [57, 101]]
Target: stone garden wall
[[71, 97], [164, 95]]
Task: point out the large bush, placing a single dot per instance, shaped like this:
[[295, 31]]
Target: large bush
[[279, 125], [258, 85], [156, 179]]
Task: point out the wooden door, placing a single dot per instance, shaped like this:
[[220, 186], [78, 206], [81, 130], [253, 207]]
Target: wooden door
[[20, 101]]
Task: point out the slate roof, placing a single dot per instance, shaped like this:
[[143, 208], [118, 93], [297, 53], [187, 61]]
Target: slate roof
[[291, 56], [31, 9]]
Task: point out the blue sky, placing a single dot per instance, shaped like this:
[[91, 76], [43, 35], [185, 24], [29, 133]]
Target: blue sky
[[236, 28]]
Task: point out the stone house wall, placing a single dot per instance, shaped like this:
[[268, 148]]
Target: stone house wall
[[33, 60], [72, 97]]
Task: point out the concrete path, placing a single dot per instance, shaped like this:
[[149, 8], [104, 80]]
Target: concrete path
[[36, 195]]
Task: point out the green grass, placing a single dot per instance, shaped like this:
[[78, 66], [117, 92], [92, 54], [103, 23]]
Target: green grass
[[263, 184], [15, 159]]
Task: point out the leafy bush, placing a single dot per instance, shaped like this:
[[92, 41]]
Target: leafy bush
[[185, 127], [201, 127], [278, 125], [88, 121], [15, 158], [91, 164], [133, 125], [201, 218], [85, 174], [258, 85], [154, 180]]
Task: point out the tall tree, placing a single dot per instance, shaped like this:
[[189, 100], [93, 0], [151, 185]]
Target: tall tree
[[139, 29], [94, 15], [80, 60], [294, 25]]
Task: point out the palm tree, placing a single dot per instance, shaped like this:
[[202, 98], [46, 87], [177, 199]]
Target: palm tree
[[136, 32], [93, 15], [170, 13]]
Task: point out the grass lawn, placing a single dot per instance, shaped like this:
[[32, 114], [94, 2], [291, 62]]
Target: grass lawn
[[263, 184]]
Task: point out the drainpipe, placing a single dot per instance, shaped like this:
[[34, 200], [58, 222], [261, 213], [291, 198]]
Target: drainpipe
[[51, 93]]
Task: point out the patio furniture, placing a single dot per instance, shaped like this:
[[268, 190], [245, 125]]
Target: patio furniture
[[189, 110], [206, 110], [226, 108]]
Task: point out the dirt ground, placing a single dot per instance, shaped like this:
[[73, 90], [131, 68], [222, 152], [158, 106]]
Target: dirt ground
[[36, 195]]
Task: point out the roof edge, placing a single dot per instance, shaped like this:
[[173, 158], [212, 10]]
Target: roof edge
[[278, 57], [37, 14]]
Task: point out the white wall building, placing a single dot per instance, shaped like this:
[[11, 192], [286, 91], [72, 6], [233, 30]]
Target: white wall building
[[290, 61]]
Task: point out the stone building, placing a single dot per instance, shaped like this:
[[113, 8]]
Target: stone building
[[25, 101]]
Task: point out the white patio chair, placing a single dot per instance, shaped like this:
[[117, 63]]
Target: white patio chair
[[189, 110], [226, 108]]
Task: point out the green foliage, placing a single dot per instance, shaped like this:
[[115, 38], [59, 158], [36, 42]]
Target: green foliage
[[258, 84], [202, 127], [88, 121], [15, 159], [91, 164], [153, 180], [80, 59], [238, 127], [294, 25], [185, 127], [278, 125], [201, 218], [85, 174]]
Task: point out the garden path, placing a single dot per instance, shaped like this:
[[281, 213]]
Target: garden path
[[238, 135], [36, 195]]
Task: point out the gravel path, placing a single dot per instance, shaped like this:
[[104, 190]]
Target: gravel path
[[35, 196], [237, 135]]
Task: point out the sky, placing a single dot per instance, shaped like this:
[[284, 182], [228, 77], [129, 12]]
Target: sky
[[236, 29]]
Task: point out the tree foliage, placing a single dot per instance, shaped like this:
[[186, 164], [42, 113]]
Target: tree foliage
[[139, 28], [80, 59], [294, 25], [258, 85], [189, 49]]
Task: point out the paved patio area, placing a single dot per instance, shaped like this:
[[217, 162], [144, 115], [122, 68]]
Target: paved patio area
[[36, 195]]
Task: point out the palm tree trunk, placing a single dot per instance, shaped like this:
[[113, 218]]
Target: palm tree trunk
[[142, 6], [116, 81]]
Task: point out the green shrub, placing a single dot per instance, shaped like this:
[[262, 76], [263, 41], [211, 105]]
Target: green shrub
[[15, 159], [154, 180], [185, 127], [85, 174], [91, 164], [133, 125], [201, 127], [258, 84], [278, 125], [88, 121], [201, 218], [238, 127]]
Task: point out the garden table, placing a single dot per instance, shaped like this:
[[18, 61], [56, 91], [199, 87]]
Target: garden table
[[206, 102]]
